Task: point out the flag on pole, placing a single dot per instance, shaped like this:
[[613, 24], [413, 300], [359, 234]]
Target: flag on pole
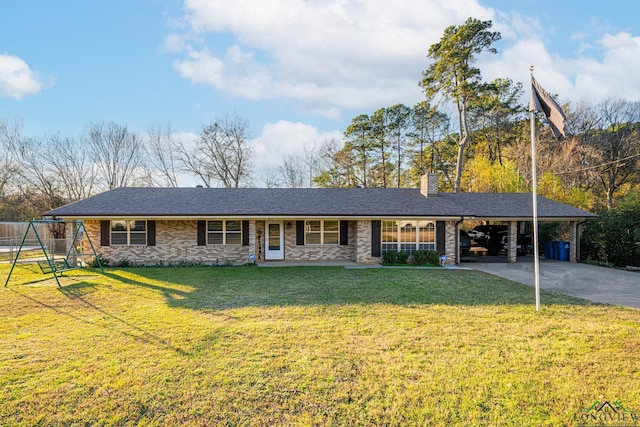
[[542, 101]]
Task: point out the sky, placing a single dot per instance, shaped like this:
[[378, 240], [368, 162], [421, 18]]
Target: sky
[[298, 70]]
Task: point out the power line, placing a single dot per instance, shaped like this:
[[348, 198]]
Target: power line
[[599, 166]]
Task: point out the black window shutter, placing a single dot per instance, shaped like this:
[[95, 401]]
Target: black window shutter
[[376, 235], [299, 233], [151, 233], [202, 233], [344, 233], [441, 237], [105, 232], [245, 233]]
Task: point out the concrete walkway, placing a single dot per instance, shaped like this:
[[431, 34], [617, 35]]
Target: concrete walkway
[[598, 284]]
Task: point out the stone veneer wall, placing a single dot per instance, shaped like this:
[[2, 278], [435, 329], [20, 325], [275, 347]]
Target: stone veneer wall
[[363, 246], [450, 242], [512, 241], [176, 242]]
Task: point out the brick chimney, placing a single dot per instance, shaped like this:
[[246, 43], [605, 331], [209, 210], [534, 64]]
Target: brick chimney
[[429, 184]]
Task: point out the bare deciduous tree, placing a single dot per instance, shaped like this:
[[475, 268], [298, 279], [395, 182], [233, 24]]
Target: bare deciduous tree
[[34, 171], [618, 144], [337, 164], [222, 154], [162, 148], [270, 178], [117, 153], [292, 172], [73, 166], [9, 135]]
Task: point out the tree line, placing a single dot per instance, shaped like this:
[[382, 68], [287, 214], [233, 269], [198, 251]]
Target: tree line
[[597, 164], [41, 173]]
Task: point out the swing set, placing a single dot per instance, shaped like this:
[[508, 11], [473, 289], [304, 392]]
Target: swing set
[[53, 238]]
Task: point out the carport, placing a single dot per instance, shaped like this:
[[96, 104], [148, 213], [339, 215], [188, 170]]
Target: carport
[[515, 209], [515, 230]]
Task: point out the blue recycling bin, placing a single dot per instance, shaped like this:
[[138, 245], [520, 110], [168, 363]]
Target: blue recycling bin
[[555, 250], [564, 251], [548, 250]]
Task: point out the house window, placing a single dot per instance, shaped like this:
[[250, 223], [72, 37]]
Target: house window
[[389, 236], [408, 233], [224, 232], [128, 232], [408, 236], [427, 237], [322, 232]]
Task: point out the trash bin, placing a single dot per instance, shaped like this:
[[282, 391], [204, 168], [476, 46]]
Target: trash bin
[[548, 250], [555, 250], [564, 251]]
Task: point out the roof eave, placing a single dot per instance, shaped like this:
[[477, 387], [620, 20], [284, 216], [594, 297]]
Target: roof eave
[[266, 217]]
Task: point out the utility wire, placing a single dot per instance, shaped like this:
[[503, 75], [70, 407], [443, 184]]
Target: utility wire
[[598, 166]]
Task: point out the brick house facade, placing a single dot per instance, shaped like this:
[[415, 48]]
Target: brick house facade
[[213, 226]]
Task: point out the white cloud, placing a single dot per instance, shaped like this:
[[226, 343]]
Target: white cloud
[[176, 43], [596, 73], [284, 138], [17, 80], [236, 72], [325, 54], [615, 75], [332, 55], [516, 60]]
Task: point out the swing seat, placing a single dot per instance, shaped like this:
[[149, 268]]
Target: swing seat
[[55, 267]]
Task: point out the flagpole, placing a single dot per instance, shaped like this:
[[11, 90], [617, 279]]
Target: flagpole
[[536, 261]]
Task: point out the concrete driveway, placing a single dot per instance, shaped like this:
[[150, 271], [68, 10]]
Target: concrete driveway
[[598, 284]]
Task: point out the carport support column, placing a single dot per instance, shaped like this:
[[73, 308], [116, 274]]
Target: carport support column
[[451, 246], [573, 241], [512, 239]]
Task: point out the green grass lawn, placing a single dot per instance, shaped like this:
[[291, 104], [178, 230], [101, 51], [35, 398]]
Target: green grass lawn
[[306, 346]]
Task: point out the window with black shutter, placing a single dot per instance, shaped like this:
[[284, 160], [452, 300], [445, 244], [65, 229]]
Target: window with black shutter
[[376, 234], [300, 233], [245, 233], [441, 237], [151, 233], [105, 232], [202, 233], [344, 233]]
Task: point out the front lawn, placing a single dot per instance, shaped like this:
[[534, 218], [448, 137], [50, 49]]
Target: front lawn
[[306, 346]]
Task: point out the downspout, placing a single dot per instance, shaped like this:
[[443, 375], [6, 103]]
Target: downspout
[[458, 239]]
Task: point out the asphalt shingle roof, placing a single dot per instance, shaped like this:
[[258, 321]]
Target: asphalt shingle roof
[[319, 202]]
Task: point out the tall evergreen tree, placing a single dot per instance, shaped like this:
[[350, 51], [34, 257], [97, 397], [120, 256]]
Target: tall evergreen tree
[[358, 135], [453, 76]]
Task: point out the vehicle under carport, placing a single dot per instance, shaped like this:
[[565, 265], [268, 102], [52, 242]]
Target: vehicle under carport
[[508, 215]]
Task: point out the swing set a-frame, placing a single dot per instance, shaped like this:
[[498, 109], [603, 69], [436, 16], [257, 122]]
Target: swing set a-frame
[[73, 255]]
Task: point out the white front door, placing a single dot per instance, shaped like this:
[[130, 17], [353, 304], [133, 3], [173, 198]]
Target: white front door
[[274, 245]]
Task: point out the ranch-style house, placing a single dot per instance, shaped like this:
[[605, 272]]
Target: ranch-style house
[[236, 225]]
